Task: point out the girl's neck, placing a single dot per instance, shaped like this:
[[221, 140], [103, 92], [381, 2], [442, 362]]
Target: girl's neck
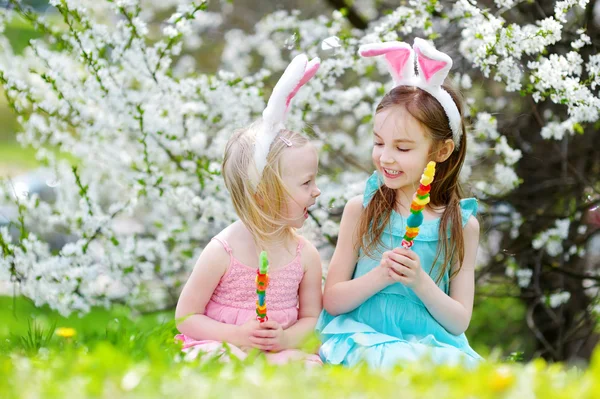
[[282, 239], [285, 237], [404, 196]]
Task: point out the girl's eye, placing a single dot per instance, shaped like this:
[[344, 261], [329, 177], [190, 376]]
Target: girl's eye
[[403, 149], [307, 182], [377, 144]]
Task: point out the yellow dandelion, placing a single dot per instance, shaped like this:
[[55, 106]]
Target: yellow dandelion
[[65, 332], [501, 379]]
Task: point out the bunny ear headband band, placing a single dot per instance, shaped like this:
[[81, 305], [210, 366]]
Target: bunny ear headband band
[[296, 75], [433, 66]]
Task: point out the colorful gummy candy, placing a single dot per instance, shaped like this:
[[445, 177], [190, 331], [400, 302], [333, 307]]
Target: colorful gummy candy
[[420, 200], [262, 282]]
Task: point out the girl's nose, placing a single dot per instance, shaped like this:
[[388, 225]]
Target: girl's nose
[[386, 158], [316, 192]]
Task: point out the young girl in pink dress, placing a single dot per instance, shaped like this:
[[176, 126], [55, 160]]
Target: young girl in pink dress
[[270, 173]]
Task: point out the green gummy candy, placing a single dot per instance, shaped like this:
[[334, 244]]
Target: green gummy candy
[[263, 263]]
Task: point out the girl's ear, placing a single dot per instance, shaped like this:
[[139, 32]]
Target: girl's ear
[[444, 150]]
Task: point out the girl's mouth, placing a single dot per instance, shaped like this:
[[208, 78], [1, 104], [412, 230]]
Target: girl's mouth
[[391, 173]]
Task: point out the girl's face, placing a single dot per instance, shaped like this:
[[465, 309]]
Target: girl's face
[[299, 167], [401, 147]]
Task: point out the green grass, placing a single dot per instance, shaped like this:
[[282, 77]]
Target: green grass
[[116, 354], [18, 315]]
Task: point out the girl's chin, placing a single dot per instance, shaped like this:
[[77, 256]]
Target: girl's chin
[[392, 183]]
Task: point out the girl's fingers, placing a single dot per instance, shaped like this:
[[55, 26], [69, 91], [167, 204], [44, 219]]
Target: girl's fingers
[[263, 333], [272, 325], [263, 347], [406, 252], [400, 267], [260, 341], [397, 277], [401, 259], [402, 270]]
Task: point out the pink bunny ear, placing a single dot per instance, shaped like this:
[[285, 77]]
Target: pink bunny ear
[[309, 72], [433, 65], [399, 57]]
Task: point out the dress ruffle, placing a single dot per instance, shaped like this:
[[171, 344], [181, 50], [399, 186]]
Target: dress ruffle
[[386, 341]]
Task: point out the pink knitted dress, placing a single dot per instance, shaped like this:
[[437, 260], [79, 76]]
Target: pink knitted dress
[[234, 302]]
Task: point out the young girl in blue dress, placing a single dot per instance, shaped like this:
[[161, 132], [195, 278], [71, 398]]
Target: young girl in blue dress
[[385, 304]]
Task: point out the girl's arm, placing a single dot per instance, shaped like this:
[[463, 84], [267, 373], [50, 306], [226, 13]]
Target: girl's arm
[[189, 314], [342, 293], [310, 299], [453, 312]]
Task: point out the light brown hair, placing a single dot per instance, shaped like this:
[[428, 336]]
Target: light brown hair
[[445, 189]]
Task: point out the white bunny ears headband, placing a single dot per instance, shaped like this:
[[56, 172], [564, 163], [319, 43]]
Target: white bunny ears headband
[[296, 75], [433, 66]]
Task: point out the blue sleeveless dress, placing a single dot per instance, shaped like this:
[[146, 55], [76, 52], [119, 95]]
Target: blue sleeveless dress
[[394, 326]]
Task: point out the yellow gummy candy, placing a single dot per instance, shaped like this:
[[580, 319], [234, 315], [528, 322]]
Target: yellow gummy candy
[[262, 309], [412, 229], [426, 180], [420, 201], [429, 173]]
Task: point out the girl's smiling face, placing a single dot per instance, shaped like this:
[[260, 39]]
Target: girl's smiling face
[[401, 147]]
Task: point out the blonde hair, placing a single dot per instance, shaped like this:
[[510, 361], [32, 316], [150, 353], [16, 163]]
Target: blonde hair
[[260, 209]]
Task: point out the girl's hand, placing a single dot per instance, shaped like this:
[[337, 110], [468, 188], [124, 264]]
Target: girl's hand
[[382, 271], [406, 267], [270, 336], [246, 331]]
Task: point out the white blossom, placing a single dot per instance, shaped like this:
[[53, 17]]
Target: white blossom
[[555, 300], [524, 277]]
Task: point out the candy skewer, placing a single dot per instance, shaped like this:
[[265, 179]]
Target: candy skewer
[[420, 200], [262, 282]]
